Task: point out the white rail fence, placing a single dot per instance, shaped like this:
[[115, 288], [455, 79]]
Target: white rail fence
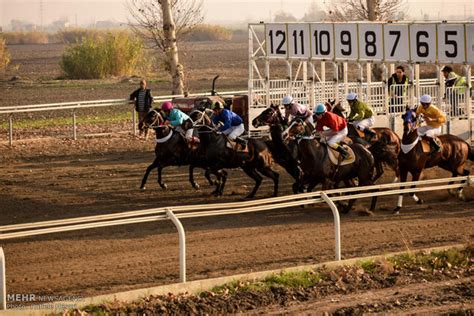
[[74, 106], [176, 213]]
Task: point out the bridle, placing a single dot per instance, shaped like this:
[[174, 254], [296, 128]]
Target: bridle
[[155, 123]]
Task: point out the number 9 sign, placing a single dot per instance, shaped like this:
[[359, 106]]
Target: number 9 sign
[[346, 41], [451, 43], [276, 40], [423, 43]]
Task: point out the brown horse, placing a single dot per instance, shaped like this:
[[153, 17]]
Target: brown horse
[[384, 147], [317, 167], [214, 151], [412, 158]]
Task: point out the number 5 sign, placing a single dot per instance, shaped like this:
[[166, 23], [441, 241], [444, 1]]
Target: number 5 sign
[[451, 43]]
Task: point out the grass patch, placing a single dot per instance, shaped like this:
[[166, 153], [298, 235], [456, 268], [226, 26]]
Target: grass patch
[[116, 117]]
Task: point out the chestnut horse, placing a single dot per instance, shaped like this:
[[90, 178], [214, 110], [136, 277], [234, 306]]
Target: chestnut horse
[[215, 153], [412, 159], [317, 167]]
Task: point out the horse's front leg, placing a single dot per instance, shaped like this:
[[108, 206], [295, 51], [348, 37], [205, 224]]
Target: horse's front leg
[[160, 182], [191, 177], [152, 166], [207, 174], [403, 178], [416, 177]]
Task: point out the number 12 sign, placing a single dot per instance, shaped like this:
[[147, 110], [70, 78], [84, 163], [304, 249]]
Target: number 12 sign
[[276, 40]]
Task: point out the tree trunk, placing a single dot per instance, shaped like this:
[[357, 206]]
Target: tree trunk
[[169, 29]]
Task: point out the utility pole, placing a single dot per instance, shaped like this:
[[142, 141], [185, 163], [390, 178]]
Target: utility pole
[[371, 14]]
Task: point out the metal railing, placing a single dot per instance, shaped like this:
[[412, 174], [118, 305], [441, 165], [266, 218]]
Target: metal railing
[[176, 213], [74, 106]]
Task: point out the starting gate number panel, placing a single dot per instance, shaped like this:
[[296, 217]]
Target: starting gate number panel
[[396, 42], [391, 42]]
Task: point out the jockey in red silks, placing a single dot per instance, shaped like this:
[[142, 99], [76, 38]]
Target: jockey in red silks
[[336, 128]]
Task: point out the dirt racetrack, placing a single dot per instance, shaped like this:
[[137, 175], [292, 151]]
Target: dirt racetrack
[[53, 178]]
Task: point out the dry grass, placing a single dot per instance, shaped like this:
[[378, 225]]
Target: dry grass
[[33, 37]]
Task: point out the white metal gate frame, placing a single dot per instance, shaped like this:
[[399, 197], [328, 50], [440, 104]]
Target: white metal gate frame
[[192, 211]]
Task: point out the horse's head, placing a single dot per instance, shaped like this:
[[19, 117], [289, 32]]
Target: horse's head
[[297, 128], [269, 116], [410, 121], [153, 120], [202, 118]]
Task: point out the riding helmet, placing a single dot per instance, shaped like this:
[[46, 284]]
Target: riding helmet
[[217, 105], [287, 100], [351, 96], [425, 98], [167, 106], [320, 109]]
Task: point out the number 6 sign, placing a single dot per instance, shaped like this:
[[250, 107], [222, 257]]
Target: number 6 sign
[[423, 43]]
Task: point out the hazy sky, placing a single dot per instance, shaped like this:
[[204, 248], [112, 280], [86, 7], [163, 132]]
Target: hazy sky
[[88, 11]]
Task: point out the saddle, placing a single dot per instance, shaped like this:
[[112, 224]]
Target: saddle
[[334, 156], [426, 145], [364, 136], [237, 146]]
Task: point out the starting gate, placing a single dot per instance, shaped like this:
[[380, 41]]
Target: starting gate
[[314, 62]]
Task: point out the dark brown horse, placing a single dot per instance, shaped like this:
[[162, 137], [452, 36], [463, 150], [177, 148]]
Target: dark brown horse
[[384, 147], [214, 151], [171, 150], [284, 155], [317, 167], [412, 158]]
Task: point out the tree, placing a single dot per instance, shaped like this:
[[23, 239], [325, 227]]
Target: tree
[[371, 10], [314, 13], [282, 16], [162, 24]]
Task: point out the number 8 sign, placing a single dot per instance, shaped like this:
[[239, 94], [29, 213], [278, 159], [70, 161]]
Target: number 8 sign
[[370, 41]]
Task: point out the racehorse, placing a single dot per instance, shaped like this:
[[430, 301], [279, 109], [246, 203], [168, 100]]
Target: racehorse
[[385, 146], [214, 150], [171, 150], [317, 167], [285, 156], [413, 159]]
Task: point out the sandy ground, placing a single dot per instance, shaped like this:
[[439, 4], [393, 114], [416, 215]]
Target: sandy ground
[[44, 180]]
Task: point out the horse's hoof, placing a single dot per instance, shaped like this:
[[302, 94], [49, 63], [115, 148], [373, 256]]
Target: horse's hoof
[[462, 197], [345, 209], [164, 186], [142, 188], [420, 201], [196, 186], [396, 211], [250, 196], [452, 192]]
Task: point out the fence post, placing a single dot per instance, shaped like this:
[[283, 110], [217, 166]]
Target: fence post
[[3, 282], [182, 245], [74, 131], [337, 224], [10, 130], [134, 122]]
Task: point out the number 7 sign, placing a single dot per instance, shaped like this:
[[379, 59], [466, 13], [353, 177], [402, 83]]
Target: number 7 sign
[[396, 40]]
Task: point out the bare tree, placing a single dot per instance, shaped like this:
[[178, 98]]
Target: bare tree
[[371, 10], [162, 24]]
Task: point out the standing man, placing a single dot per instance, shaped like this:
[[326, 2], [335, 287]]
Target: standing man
[[397, 88], [453, 80], [143, 101], [433, 118]]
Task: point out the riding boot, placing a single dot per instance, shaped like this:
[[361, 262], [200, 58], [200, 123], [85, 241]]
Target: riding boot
[[369, 134], [344, 153], [435, 147], [242, 142]]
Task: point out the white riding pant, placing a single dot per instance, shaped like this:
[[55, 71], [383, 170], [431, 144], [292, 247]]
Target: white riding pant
[[234, 131], [365, 123], [334, 138], [187, 134], [429, 131]]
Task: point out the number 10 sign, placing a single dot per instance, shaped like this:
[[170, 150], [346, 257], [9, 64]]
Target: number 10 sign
[[383, 42]]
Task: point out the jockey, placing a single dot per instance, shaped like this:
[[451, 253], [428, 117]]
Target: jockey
[[434, 119], [293, 109], [182, 122], [337, 128], [232, 124], [361, 116]]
